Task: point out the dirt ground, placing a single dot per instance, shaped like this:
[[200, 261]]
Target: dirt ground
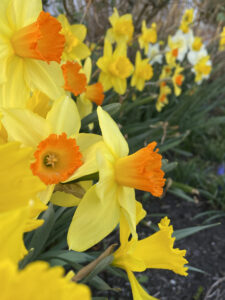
[[205, 250]]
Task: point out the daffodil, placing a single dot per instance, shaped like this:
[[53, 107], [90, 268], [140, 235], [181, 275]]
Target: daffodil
[[115, 68], [197, 50], [19, 187], [187, 19], [202, 69], [119, 174], [143, 71], [74, 36], [60, 152], [162, 100], [179, 41], [148, 36], [31, 48], [122, 28], [222, 40], [92, 94], [37, 280], [154, 54], [172, 52], [154, 252], [177, 80]]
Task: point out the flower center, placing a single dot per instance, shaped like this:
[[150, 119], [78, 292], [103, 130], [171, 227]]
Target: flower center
[[124, 27], [179, 79], [57, 158], [145, 72], [197, 44], [40, 40], [121, 67]]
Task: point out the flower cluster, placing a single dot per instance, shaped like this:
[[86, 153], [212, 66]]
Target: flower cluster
[[46, 89]]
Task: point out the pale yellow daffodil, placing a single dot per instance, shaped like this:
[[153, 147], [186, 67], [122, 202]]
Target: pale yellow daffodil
[[30, 50], [153, 252], [58, 158], [119, 173], [148, 36], [143, 72], [122, 28], [74, 36], [115, 68]]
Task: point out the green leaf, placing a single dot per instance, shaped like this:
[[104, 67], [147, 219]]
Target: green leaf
[[183, 233], [190, 268], [69, 256], [112, 109]]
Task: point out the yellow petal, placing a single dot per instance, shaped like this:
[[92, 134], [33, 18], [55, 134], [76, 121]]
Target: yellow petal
[[45, 195], [25, 126], [64, 117], [81, 51], [11, 231], [24, 12], [14, 93], [157, 250], [137, 290], [93, 220], [111, 134], [87, 68], [88, 143], [119, 85], [64, 199], [45, 77], [84, 106], [79, 30]]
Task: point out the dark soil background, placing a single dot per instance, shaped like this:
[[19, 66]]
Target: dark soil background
[[205, 251]]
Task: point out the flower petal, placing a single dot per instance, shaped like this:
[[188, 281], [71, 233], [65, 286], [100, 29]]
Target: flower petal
[[64, 117], [25, 126], [111, 134], [93, 220], [64, 199]]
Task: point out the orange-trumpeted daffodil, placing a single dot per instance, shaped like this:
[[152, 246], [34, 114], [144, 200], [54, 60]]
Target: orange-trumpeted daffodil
[[93, 93], [154, 252], [115, 68], [143, 71], [119, 174], [61, 153], [177, 80], [162, 100], [31, 47], [149, 35], [122, 28], [74, 36]]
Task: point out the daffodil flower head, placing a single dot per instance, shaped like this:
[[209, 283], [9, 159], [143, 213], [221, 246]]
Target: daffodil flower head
[[162, 99], [222, 40], [148, 35], [202, 69], [115, 67], [154, 54], [173, 51], [177, 80], [197, 43], [187, 19], [180, 42], [119, 175], [39, 103], [143, 71], [122, 28], [74, 37], [154, 252], [31, 50]]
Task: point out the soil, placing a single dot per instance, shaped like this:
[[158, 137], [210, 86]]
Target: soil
[[205, 251]]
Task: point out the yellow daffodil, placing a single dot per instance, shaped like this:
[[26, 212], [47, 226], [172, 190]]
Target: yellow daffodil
[[187, 19], [154, 252], [19, 187], [61, 153], [197, 50], [172, 53], [115, 68], [222, 40], [177, 80], [143, 71], [31, 48], [37, 280], [148, 35], [163, 99], [93, 93], [202, 69], [74, 36], [39, 103], [119, 174], [166, 72], [122, 28]]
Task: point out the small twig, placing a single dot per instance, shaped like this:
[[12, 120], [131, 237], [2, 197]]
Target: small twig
[[208, 296], [86, 10]]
